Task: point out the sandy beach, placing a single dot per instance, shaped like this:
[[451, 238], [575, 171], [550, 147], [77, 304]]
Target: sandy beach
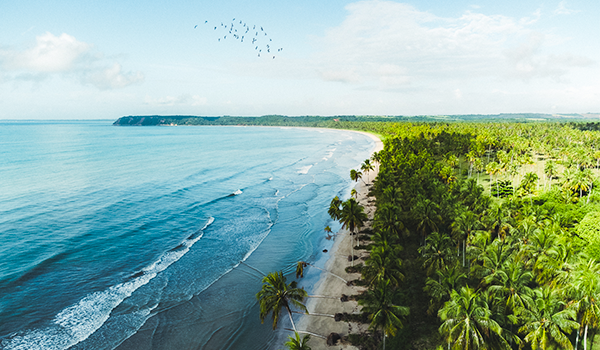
[[332, 287]]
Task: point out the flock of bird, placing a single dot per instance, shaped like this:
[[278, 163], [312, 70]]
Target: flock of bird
[[242, 32]]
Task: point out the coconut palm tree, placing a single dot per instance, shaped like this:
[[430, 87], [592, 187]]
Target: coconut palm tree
[[492, 169], [276, 295], [334, 210], [449, 278], [388, 219], [384, 264], [550, 171], [511, 284], [378, 304], [548, 322], [467, 322], [585, 290], [352, 217], [463, 227], [367, 167], [356, 175], [436, 252], [529, 183], [297, 343], [426, 213]]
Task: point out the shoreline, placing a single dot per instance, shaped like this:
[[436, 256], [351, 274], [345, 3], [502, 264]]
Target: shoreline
[[331, 286]]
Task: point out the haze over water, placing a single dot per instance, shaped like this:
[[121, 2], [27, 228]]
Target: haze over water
[[131, 237]]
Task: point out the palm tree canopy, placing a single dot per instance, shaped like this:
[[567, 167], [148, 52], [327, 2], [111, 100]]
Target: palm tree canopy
[[353, 215], [378, 304], [334, 210], [548, 322], [467, 322], [297, 343], [276, 295]]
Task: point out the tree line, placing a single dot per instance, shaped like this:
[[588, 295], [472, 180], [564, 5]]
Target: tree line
[[485, 236]]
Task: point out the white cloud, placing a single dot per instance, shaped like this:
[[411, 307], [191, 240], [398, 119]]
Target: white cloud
[[50, 54], [112, 78], [423, 47], [528, 62], [183, 100], [563, 10], [67, 57]]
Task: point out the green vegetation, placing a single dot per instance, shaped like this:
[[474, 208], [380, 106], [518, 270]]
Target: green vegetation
[[485, 236], [276, 295], [489, 232]]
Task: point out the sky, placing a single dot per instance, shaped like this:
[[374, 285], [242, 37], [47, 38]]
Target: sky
[[106, 59]]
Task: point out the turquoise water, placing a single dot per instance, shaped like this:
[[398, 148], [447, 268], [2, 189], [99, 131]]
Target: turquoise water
[[132, 237]]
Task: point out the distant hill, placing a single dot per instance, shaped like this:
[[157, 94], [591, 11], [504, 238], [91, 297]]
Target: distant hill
[[280, 120]]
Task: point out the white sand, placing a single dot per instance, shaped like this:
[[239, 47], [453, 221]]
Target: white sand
[[329, 285]]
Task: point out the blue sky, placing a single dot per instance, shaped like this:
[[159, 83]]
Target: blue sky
[[103, 60]]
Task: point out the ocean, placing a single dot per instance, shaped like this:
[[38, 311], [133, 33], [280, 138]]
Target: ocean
[[158, 237]]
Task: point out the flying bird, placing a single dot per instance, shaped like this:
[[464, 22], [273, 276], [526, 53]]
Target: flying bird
[[260, 43]]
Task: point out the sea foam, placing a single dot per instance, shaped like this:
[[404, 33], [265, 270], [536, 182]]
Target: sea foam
[[77, 322]]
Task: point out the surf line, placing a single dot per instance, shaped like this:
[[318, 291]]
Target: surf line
[[77, 322]]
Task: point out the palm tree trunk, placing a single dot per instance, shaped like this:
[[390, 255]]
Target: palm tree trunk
[[305, 332], [463, 253], [577, 338], [585, 338], [322, 296], [314, 314], [291, 319], [329, 272], [352, 247]]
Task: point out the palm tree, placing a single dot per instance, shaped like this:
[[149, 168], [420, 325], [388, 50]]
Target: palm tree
[[297, 343], [492, 169], [376, 158], [378, 303], [355, 175], [493, 260], [449, 278], [367, 167], [334, 210], [436, 252], [585, 290], [548, 322], [466, 321], [353, 193], [529, 182], [426, 212], [388, 219], [497, 221], [463, 227], [511, 284], [384, 264], [550, 171], [352, 217], [276, 295]]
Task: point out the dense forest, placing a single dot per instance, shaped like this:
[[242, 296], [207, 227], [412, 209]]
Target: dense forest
[[489, 232]]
